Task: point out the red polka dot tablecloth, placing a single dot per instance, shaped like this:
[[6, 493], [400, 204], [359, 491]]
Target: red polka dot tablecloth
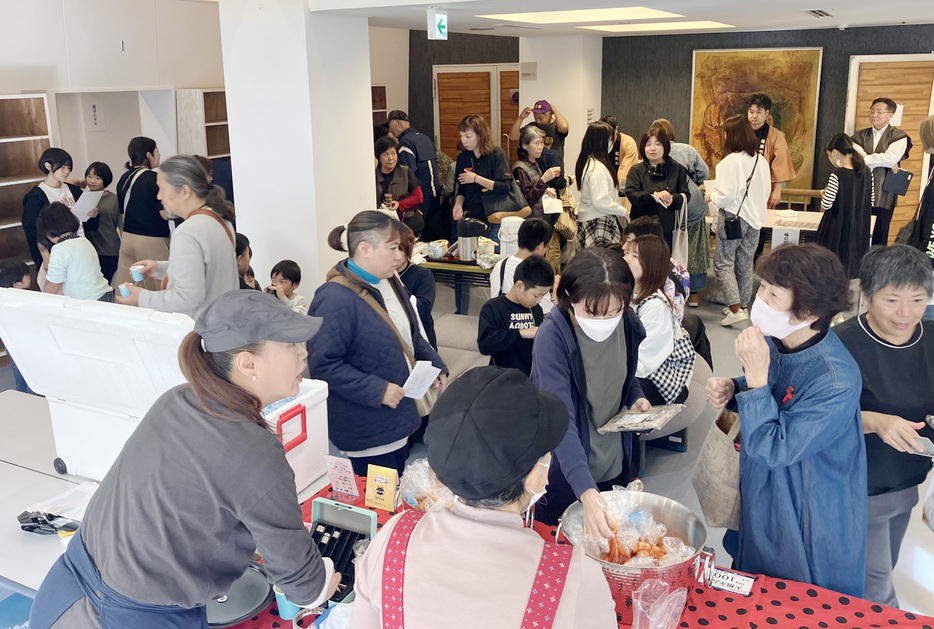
[[772, 603]]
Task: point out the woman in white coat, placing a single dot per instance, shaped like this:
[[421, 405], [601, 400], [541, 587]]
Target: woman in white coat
[[599, 188], [741, 189]]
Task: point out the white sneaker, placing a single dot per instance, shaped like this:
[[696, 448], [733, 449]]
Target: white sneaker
[[726, 310], [735, 317]]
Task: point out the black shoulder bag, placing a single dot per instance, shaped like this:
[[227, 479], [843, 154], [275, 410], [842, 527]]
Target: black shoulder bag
[[732, 227]]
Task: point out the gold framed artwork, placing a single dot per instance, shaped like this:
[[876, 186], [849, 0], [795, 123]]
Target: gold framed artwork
[[725, 79]]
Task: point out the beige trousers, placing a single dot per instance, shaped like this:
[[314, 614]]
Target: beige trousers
[[134, 248]]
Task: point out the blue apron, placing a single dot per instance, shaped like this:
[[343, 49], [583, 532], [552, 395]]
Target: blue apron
[[74, 576]]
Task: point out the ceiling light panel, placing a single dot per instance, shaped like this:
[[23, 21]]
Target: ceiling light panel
[[659, 26], [584, 15]]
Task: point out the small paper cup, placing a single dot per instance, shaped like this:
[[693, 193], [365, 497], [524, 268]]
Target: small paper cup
[[124, 291], [287, 609], [137, 273]]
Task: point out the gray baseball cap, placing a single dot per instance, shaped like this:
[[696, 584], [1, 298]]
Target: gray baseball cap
[[241, 317]]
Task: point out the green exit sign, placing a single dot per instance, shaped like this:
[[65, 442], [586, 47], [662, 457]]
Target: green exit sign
[[437, 24]]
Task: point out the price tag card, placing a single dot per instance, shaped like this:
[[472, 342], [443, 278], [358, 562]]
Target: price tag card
[[381, 487], [729, 581], [340, 472]]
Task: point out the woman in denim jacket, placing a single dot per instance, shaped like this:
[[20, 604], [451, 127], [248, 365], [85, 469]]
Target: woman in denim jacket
[[803, 456]]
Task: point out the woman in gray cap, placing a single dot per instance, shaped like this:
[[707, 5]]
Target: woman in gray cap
[[175, 521], [489, 441]]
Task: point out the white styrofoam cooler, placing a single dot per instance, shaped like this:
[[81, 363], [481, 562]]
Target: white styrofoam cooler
[[100, 366], [302, 425]]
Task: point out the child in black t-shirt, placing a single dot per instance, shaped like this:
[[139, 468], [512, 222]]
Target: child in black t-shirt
[[508, 323]]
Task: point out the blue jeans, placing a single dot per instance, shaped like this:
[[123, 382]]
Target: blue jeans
[[19, 382]]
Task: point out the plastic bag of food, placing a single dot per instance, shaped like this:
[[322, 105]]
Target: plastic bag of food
[[336, 617], [422, 490], [654, 606]]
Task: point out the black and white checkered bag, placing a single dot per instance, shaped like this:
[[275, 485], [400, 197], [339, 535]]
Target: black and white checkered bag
[[674, 374]]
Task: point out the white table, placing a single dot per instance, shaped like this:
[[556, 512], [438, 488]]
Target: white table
[[27, 476]]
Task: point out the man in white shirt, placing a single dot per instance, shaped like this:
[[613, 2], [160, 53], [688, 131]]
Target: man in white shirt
[[534, 235], [882, 147]]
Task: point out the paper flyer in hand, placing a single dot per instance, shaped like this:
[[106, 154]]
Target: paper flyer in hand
[[85, 203], [420, 380]]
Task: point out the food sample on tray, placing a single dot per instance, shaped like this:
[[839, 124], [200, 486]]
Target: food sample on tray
[[641, 421]]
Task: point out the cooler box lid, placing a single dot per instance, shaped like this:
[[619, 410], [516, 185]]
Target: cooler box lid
[[108, 356]]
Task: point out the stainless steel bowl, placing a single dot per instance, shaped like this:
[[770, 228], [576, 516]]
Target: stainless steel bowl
[[681, 523]]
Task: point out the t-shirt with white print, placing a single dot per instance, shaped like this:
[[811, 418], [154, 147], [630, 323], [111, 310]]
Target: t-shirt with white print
[[60, 195]]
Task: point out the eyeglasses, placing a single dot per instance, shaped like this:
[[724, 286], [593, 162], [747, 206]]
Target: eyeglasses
[[880, 111]]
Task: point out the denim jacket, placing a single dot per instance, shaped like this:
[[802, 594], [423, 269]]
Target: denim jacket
[[803, 470]]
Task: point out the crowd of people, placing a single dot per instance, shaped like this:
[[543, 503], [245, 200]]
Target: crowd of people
[[579, 327]]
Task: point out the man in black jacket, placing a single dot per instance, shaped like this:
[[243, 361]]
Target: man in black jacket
[[417, 152]]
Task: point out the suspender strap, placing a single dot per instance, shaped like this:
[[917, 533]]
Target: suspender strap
[[394, 569], [549, 583], [543, 600]]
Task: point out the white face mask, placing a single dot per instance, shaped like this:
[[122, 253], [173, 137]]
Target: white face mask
[[598, 330], [772, 322], [537, 495]]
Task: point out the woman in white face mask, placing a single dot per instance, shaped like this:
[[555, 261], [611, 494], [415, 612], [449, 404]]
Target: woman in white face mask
[[586, 352], [803, 456]]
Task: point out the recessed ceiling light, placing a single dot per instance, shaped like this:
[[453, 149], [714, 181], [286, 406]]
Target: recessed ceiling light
[[658, 26], [584, 15]]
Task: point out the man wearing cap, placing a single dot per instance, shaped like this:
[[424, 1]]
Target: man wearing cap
[[549, 119], [417, 152], [489, 440]]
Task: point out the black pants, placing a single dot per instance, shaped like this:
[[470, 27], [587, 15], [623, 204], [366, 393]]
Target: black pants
[[698, 333], [880, 233], [108, 266], [395, 460]]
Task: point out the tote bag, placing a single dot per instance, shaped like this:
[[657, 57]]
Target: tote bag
[[716, 475], [679, 235]]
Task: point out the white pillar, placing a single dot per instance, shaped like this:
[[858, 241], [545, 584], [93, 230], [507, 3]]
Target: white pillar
[[569, 75], [298, 106]]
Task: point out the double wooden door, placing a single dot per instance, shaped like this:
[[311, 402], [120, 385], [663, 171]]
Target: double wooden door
[[489, 90]]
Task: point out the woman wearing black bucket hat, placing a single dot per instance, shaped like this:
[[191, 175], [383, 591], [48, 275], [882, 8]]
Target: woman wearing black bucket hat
[[175, 521], [489, 441]]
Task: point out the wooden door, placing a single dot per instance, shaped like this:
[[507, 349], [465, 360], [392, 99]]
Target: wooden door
[[461, 94], [908, 83], [508, 109]]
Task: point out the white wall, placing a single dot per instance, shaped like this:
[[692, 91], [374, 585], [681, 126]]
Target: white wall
[[76, 44], [295, 132], [389, 64], [569, 77]]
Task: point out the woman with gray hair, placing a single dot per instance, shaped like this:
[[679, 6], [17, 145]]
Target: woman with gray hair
[[202, 262], [528, 174], [894, 349]]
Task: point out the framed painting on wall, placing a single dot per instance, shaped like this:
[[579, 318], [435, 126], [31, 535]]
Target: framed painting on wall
[[725, 79]]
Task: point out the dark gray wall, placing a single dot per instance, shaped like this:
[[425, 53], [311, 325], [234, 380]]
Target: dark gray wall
[[645, 78], [458, 49]]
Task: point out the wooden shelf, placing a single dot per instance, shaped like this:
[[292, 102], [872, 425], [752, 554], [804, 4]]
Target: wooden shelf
[[217, 140], [11, 199], [23, 138], [215, 124], [221, 156], [24, 135], [20, 160], [215, 106], [23, 116]]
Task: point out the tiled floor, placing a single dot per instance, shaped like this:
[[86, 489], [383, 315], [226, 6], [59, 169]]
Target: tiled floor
[[669, 473]]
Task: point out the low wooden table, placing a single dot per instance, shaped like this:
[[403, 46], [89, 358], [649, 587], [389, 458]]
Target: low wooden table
[[460, 275]]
